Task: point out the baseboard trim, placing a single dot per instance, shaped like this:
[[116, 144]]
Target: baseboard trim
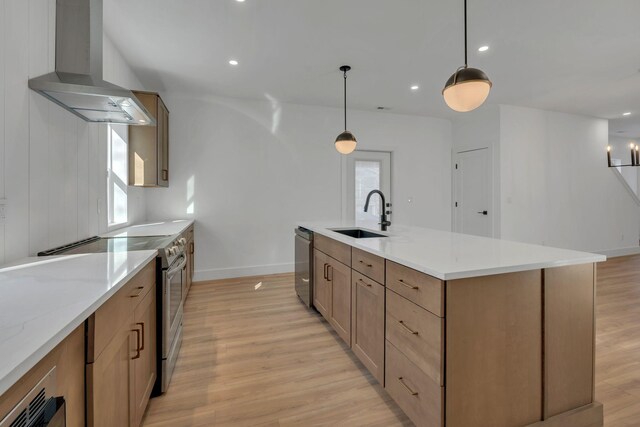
[[612, 253], [232, 272]]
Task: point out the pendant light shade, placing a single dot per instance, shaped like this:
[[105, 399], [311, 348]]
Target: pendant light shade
[[345, 142], [467, 88]]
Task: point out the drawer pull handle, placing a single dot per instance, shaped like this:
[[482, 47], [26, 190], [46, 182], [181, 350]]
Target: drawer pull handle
[[137, 356], [407, 328], [368, 284], [325, 271], [403, 283], [367, 265], [139, 288], [413, 393]]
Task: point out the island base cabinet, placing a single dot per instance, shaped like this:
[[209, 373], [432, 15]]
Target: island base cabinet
[[109, 383], [367, 323], [418, 396], [321, 286], [339, 276]]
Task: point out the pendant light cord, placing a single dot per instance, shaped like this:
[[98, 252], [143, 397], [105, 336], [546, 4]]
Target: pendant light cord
[[345, 99], [465, 33]]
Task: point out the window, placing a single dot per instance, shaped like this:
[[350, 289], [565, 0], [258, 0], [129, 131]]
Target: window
[[117, 175]]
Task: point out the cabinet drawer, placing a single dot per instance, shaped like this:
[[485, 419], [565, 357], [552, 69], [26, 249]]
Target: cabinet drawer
[[103, 324], [333, 248], [417, 287], [368, 264], [417, 395], [417, 333]]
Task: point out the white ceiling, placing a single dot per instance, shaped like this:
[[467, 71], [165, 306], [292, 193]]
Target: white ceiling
[[577, 56]]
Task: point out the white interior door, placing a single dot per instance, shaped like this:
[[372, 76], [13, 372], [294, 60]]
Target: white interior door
[[363, 171], [472, 199]]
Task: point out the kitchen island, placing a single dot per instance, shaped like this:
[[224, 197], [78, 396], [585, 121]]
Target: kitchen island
[[464, 330]]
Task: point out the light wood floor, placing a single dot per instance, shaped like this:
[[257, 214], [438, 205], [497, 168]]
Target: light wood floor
[[254, 356], [618, 341]]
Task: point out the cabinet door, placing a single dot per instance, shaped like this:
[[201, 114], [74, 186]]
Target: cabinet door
[[144, 366], [321, 287], [109, 382], [339, 276], [367, 339], [163, 144]]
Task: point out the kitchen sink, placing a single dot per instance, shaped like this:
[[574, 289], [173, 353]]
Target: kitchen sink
[[358, 233]]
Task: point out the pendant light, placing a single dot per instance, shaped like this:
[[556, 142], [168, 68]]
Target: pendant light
[[345, 142], [467, 88]]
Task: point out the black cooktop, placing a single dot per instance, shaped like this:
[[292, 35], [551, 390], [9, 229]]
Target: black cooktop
[[117, 244]]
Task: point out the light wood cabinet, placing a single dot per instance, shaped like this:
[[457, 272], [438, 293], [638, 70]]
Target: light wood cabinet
[[332, 292], [121, 354], [339, 277], [109, 382], [367, 323], [149, 145], [368, 264], [321, 286], [144, 362]]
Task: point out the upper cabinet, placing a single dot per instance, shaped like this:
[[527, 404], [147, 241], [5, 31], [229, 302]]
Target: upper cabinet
[[149, 145]]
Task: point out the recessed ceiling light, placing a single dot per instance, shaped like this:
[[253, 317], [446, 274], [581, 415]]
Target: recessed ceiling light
[[628, 113], [240, 1], [415, 87], [233, 62], [142, 121], [483, 48]]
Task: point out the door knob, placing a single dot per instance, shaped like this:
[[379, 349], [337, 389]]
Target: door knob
[[483, 212]]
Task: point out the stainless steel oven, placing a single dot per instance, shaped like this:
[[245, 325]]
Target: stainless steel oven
[[173, 288]]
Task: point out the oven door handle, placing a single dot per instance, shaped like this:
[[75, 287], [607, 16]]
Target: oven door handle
[[173, 271]]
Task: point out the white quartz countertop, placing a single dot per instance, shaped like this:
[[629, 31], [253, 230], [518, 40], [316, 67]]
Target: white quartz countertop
[[449, 256], [42, 300], [160, 228]]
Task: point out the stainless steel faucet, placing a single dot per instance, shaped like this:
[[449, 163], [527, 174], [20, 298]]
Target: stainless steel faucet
[[383, 216]]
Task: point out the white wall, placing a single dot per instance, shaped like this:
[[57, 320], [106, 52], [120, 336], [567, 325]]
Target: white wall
[[52, 164], [248, 170], [556, 188]]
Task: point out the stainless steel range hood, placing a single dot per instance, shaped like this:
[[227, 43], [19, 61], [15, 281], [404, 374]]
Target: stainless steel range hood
[[77, 83]]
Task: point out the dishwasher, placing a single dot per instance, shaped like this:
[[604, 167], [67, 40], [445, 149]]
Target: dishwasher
[[304, 265]]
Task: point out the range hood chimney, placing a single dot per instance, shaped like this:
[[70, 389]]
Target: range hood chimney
[[77, 83]]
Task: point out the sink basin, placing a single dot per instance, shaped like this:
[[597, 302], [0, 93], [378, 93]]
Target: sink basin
[[358, 233]]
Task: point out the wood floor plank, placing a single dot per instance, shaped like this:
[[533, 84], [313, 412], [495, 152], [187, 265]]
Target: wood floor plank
[[253, 355]]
